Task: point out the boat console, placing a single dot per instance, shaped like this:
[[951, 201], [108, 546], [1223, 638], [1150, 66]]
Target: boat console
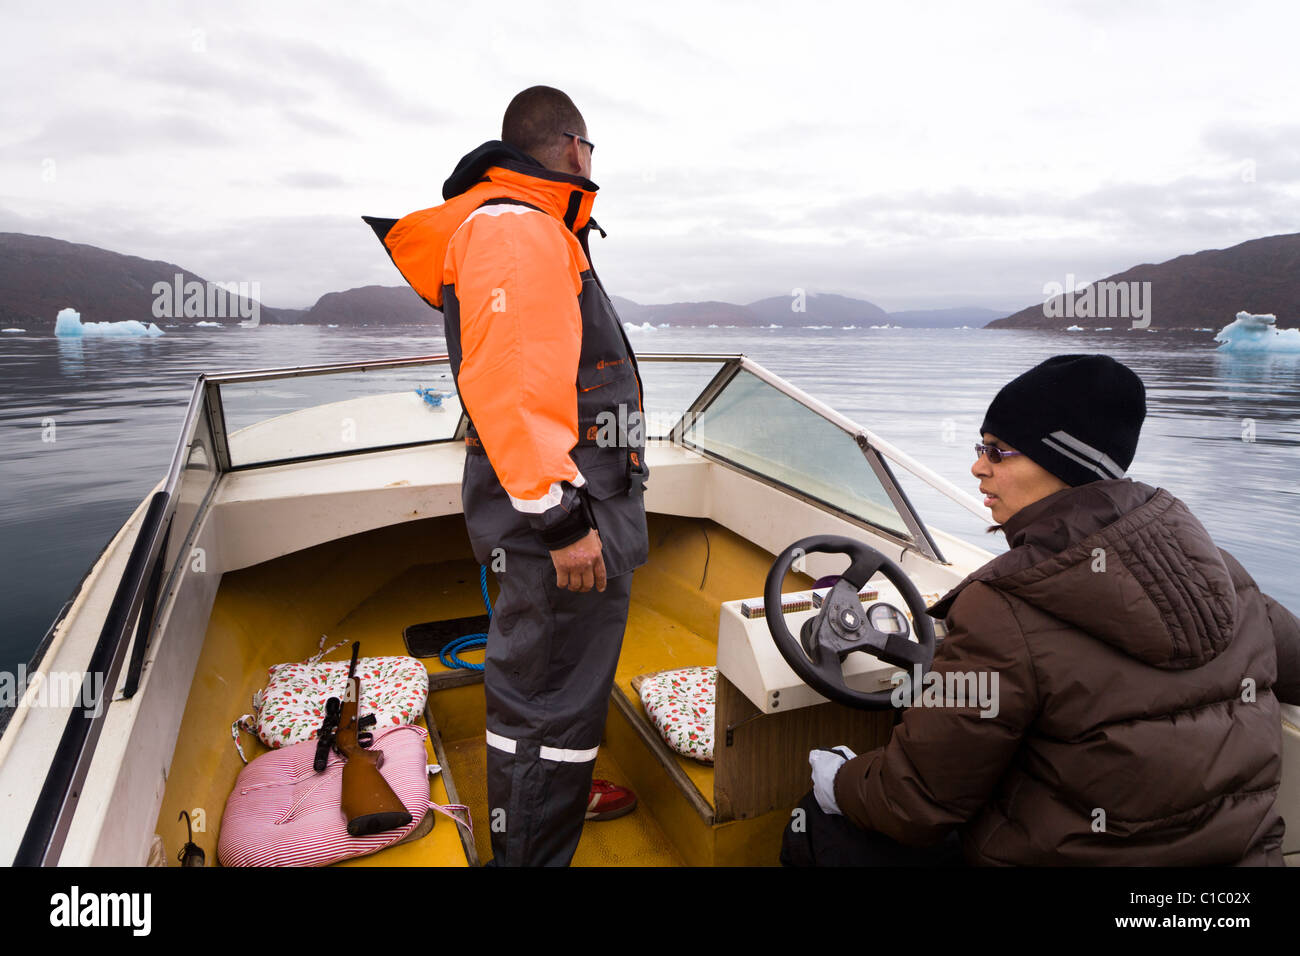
[[856, 637]]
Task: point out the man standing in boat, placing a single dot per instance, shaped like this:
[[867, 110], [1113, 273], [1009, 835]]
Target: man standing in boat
[[554, 468]]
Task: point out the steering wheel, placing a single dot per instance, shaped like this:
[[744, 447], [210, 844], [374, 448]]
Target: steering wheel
[[844, 625]]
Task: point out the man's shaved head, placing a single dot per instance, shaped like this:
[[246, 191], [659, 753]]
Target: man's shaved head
[[536, 121]]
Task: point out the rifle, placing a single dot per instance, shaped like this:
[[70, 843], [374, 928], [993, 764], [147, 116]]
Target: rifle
[[368, 801]]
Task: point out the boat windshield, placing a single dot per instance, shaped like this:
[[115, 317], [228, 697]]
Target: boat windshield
[[275, 417], [726, 407], [763, 430]]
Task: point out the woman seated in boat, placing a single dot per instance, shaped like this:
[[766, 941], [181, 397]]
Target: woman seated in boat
[[1138, 670]]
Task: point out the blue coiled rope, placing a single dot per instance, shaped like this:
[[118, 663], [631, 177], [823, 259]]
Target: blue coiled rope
[[432, 397], [448, 655]]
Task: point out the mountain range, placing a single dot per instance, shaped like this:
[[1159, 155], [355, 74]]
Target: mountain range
[[41, 275], [1200, 290]]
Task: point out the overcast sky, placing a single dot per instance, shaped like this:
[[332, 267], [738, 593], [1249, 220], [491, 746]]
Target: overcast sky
[[915, 154]]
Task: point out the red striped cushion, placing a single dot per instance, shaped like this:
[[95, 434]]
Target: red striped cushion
[[283, 813]]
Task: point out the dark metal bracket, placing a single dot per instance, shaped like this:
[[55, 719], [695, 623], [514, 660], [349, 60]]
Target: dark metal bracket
[[732, 728]]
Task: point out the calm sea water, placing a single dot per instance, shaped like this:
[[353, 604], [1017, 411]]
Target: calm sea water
[[1222, 433]]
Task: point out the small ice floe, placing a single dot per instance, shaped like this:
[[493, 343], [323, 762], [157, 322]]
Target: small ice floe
[[663, 325], [1102, 328], [773, 326], [68, 325], [1075, 328], [13, 330], [209, 325], [331, 326], [846, 327], [816, 326], [1257, 333]]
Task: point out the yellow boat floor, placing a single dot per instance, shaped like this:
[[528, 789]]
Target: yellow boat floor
[[371, 586]]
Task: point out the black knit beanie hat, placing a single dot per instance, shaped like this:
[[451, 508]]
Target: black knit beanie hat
[[1078, 416]]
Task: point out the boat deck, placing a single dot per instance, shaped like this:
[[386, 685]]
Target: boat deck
[[371, 586]]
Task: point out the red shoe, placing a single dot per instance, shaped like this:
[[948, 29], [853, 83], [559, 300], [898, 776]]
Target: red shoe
[[609, 800]]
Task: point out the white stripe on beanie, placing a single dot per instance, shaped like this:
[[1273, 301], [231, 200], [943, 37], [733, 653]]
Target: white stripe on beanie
[[1091, 458]]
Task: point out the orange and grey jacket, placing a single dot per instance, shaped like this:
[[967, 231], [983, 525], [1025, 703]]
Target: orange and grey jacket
[[544, 369]]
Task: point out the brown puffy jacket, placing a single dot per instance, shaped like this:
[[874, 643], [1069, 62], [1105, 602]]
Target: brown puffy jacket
[[1136, 722]]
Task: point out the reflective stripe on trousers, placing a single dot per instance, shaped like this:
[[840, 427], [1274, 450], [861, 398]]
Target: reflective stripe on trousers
[[546, 753], [550, 667]]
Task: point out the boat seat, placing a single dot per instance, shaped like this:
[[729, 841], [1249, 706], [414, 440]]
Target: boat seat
[[654, 643]]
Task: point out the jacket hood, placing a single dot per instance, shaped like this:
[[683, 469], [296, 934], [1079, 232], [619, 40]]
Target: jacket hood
[[417, 243], [1122, 561], [474, 165]]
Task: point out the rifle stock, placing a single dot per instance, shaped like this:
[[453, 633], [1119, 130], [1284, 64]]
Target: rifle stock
[[369, 803]]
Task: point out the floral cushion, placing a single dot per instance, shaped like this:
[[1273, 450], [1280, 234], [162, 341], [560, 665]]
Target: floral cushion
[[680, 704], [291, 708]]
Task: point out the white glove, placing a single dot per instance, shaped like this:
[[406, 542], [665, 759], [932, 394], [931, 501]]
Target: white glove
[[825, 765]]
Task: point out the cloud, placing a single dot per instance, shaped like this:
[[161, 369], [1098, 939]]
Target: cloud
[[312, 179], [291, 76], [1267, 152], [849, 150], [100, 133], [331, 75], [311, 123]]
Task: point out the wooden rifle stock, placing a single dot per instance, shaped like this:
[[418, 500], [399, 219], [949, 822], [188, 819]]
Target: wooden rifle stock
[[368, 801]]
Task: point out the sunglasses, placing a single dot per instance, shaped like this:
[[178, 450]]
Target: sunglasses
[[994, 453], [583, 140]]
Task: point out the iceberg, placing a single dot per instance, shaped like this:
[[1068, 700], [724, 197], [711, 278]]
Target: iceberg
[[210, 325], [68, 325], [13, 330], [1257, 333], [643, 327]]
